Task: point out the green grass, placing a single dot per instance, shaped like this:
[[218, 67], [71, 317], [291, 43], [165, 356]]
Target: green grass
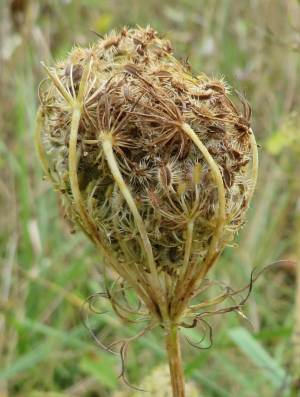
[[47, 272]]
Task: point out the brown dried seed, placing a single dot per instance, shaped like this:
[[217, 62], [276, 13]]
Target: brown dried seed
[[235, 154], [216, 87], [77, 70], [201, 94], [165, 175], [174, 254], [167, 47], [239, 164], [215, 129], [178, 85], [132, 69], [111, 42], [162, 74], [227, 177], [242, 128], [150, 34]]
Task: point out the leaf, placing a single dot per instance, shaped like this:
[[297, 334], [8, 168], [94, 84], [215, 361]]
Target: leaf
[[259, 356], [71, 338], [212, 386], [26, 361]]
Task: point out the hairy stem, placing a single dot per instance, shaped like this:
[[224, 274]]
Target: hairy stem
[[58, 84], [184, 290], [112, 163], [175, 361], [39, 145], [220, 221]]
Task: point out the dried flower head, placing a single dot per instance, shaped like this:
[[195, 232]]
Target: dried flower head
[[157, 166]]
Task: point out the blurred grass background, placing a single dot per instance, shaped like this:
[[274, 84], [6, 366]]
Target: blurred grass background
[[47, 272]]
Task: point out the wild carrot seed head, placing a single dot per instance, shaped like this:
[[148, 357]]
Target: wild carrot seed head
[[139, 98]]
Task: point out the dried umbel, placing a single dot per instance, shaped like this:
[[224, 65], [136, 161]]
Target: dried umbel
[[157, 166]]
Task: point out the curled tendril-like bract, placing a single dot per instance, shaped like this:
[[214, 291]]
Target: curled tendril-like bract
[[117, 295]]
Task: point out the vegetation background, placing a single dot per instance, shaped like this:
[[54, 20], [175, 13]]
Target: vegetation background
[[47, 272]]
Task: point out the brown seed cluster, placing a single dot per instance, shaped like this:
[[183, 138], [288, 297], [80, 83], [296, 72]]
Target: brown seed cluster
[[164, 159]]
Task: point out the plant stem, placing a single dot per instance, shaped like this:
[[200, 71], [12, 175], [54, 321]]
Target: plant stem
[[296, 337], [175, 361], [157, 292]]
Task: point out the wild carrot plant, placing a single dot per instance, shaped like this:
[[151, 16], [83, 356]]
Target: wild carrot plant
[[156, 165]]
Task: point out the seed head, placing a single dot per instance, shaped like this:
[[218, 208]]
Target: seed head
[[157, 166]]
